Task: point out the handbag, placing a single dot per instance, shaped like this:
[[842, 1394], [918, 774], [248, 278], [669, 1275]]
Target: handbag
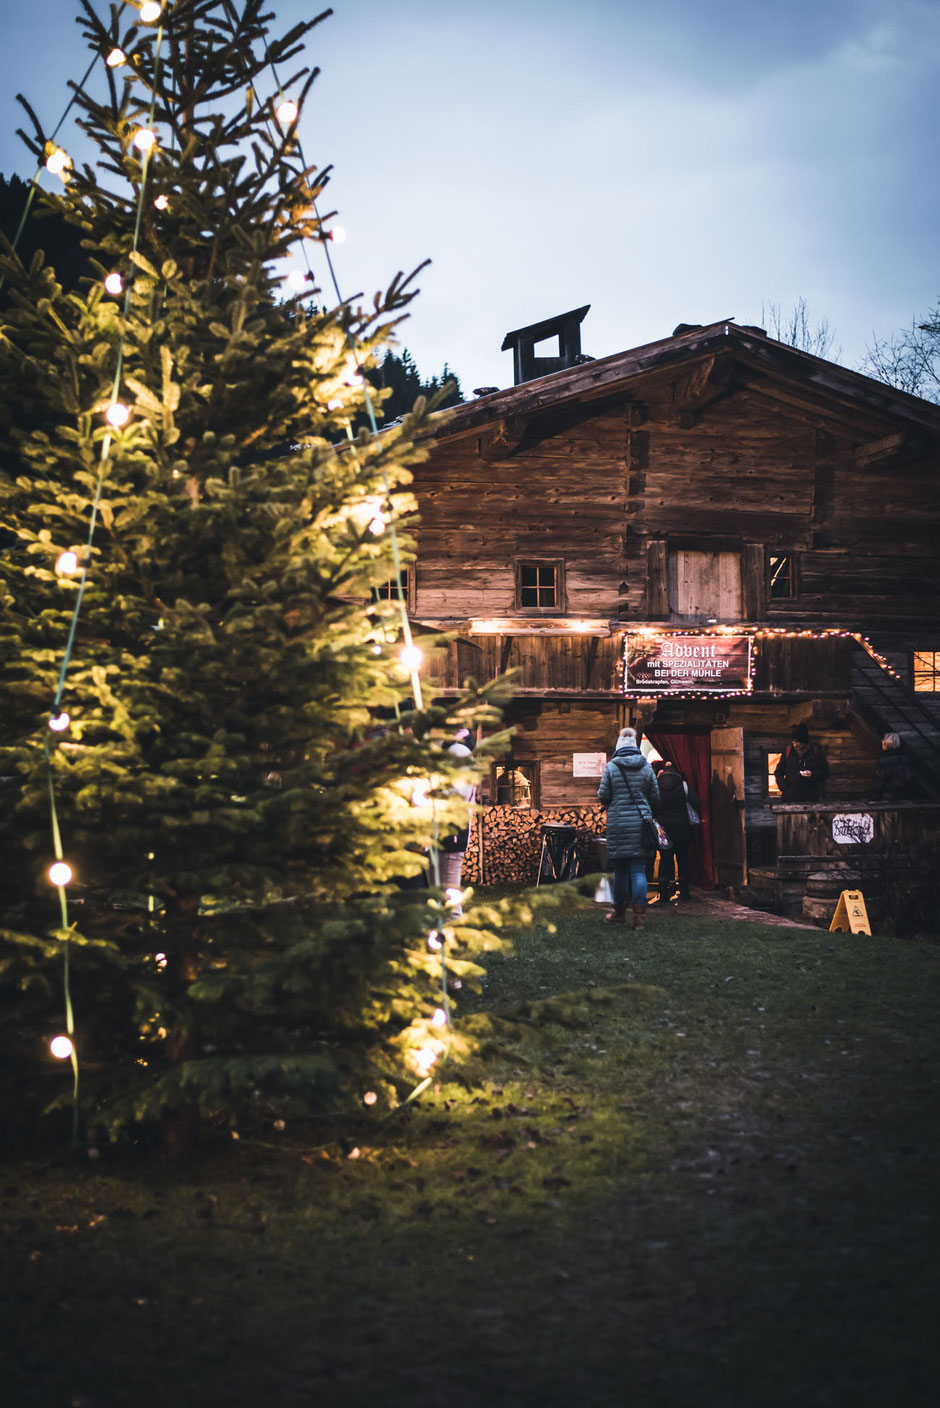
[[655, 834], [694, 818]]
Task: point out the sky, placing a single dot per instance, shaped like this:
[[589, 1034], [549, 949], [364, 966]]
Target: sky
[[664, 161]]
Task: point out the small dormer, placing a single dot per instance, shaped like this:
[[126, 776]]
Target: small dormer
[[566, 327]]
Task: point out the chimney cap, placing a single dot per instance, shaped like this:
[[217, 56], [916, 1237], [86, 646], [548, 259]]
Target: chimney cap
[[545, 328]]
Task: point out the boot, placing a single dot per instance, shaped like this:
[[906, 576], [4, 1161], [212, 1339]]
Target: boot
[[639, 916], [615, 916]]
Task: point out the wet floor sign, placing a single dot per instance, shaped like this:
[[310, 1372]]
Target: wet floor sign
[[851, 913]]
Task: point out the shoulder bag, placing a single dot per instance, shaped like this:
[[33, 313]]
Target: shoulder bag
[[694, 818], [654, 832]]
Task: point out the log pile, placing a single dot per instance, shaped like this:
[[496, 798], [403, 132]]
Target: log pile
[[512, 841]]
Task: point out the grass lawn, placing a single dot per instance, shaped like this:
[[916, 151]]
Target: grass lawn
[[700, 1167]]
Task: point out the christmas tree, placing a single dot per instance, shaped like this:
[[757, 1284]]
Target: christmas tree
[[212, 716]]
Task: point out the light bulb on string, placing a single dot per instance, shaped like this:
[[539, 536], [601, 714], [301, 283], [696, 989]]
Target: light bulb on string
[[145, 139], [114, 284], [440, 1018], [162, 202], [434, 941], [66, 564], [338, 234], [378, 524], [60, 873], [59, 722], [117, 414], [419, 791], [287, 112], [376, 650], [116, 58], [58, 162], [150, 11], [411, 657], [61, 1048], [297, 280], [369, 1098], [425, 1058]]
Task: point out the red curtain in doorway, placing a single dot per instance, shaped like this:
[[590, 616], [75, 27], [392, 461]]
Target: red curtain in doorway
[[692, 755]]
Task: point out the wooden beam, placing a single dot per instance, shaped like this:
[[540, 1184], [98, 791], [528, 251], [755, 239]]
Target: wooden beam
[[505, 437], [889, 447], [699, 387]]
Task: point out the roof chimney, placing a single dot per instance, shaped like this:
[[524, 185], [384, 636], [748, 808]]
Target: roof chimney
[[566, 327]]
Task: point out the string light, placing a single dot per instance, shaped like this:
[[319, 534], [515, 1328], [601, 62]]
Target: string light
[[452, 896], [434, 941], [411, 657], [145, 139], [114, 284], [338, 234], [297, 279], [376, 650], [66, 564], [160, 960], [287, 112], [369, 1098], [58, 162], [419, 791], [162, 202], [61, 1048], [440, 1018], [116, 58], [428, 1054], [117, 414], [150, 11], [60, 873], [59, 722]]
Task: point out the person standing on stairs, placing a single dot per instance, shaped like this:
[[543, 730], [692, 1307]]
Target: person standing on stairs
[[629, 791]]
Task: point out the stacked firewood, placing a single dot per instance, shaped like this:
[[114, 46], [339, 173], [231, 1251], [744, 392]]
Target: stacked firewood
[[512, 841]]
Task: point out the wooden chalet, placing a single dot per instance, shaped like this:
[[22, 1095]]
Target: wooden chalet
[[713, 537]]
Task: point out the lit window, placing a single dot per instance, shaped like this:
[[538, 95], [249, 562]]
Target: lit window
[[515, 785], [540, 586], [782, 575], [927, 671], [773, 762]]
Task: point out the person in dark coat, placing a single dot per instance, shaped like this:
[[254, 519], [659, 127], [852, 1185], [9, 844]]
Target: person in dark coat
[[629, 791], [802, 769], [673, 812], [895, 777]]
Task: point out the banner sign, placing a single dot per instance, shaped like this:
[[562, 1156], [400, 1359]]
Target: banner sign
[[687, 664]]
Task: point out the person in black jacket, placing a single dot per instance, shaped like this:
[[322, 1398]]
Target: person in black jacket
[[802, 769], [672, 811], [895, 777]]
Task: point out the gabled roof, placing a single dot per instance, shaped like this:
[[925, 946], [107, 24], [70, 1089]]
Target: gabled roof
[[750, 361]]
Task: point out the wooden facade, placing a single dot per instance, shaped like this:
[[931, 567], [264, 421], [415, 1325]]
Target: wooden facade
[[714, 481]]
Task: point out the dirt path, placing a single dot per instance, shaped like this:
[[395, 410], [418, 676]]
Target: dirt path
[[704, 902]]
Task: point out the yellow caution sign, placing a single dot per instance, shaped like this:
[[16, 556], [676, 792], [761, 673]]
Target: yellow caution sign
[[851, 913]]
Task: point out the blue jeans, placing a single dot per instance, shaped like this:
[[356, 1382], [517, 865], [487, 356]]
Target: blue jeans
[[629, 879]]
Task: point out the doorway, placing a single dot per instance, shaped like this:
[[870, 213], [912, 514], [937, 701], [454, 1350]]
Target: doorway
[[726, 794], [690, 750]]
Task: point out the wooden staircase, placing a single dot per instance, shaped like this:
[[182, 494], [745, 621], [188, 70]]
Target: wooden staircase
[[889, 706]]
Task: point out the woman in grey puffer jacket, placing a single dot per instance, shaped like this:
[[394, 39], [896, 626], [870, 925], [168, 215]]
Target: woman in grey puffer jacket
[[630, 792]]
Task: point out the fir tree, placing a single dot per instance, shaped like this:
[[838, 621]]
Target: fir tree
[[236, 814], [399, 376]]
